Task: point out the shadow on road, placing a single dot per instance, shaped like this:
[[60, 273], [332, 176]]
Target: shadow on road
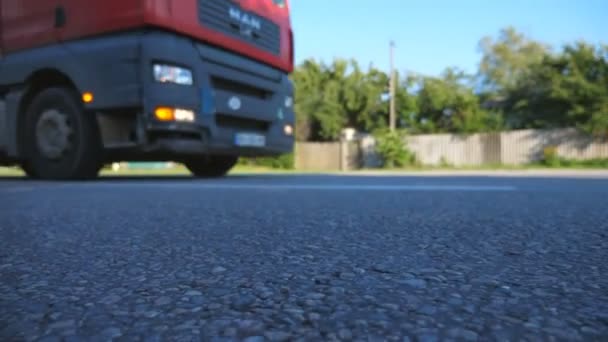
[[165, 178], [172, 178]]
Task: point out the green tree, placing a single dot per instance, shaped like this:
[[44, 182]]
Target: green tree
[[309, 79], [506, 62], [448, 104], [508, 59], [375, 113], [331, 97], [569, 89], [584, 86]]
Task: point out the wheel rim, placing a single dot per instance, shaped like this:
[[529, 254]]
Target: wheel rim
[[54, 134]]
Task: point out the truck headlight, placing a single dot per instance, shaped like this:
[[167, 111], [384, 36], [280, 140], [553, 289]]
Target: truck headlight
[[288, 102], [172, 74]]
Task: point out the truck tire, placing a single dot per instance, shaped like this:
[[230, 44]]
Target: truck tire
[[60, 140], [212, 166]]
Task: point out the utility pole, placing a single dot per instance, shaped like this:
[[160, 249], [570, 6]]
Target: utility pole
[[392, 86]]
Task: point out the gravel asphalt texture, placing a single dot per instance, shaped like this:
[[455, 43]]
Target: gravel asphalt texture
[[304, 258]]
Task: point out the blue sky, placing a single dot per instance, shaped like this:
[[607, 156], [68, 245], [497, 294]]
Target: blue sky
[[433, 34]]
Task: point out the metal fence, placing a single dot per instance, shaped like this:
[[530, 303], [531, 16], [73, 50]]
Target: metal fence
[[327, 156], [507, 148]]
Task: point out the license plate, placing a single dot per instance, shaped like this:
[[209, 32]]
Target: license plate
[[250, 140]]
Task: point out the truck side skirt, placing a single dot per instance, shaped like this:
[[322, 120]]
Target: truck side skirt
[[3, 131]]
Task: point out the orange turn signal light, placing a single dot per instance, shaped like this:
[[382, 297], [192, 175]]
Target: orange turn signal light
[[87, 97], [174, 114], [164, 113]]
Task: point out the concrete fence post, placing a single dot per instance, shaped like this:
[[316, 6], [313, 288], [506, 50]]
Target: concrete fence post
[[343, 155]]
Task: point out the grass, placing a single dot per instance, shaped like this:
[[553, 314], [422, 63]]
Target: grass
[[565, 164], [594, 164], [577, 164], [445, 167], [16, 172], [10, 172]]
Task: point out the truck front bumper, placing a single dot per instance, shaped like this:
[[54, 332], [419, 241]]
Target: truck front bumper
[[231, 96]]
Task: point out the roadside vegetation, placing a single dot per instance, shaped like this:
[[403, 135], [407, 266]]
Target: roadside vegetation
[[179, 171], [521, 83], [284, 162]]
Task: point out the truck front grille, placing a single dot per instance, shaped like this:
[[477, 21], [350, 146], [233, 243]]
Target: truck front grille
[[229, 18], [234, 87], [239, 123]]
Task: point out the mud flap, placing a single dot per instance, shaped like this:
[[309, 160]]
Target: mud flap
[[3, 132], [8, 133]]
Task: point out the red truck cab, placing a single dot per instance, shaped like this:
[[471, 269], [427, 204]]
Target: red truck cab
[[201, 82]]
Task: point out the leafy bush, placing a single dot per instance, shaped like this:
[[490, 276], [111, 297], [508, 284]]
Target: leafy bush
[[443, 162], [550, 156], [552, 159], [599, 163], [285, 161], [393, 150]]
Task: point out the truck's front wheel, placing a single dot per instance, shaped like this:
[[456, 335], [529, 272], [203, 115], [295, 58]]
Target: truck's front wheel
[[212, 166], [60, 140]]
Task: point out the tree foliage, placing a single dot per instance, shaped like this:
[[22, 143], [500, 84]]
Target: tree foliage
[[521, 83], [508, 59], [331, 97], [448, 104], [569, 89]]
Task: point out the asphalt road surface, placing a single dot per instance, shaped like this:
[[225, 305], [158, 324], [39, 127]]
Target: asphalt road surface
[[304, 258]]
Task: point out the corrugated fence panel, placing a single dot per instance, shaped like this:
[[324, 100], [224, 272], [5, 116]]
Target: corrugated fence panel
[[515, 147], [521, 147], [317, 156], [458, 150], [573, 145], [526, 146], [509, 148]]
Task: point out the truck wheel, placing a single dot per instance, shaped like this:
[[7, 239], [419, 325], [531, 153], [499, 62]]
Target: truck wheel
[[211, 167], [60, 140]]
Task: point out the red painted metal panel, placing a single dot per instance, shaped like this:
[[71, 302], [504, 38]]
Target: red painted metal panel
[[87, 18], [27, 23], [182, 16], [31, 23]]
